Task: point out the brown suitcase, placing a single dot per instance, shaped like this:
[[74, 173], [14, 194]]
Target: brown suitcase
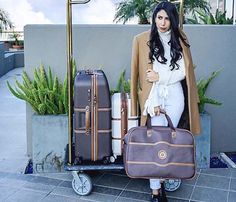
[[159, 152], [92, 117]]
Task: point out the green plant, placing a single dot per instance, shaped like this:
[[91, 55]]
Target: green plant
[[123, 85], [128, 9], [45, 94], [16, 36], [5, 21], [209, 18], [202, 86]]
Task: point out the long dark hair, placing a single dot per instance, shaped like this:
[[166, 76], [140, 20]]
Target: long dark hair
[[155, 44]]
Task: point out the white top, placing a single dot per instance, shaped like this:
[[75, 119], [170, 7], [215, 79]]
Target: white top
[[159, 90]]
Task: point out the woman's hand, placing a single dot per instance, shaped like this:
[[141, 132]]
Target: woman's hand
[[157, 110], [152, 76]]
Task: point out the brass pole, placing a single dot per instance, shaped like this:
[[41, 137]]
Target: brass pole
[[181, 13], [69, 71], [69, 76]]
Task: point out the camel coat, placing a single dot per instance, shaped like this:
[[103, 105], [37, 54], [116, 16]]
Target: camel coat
[[140, 88]]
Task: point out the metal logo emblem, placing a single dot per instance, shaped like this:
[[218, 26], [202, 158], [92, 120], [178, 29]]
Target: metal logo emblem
[[162, 154]]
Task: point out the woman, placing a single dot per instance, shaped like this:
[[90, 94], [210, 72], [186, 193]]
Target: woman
[[162, 77]]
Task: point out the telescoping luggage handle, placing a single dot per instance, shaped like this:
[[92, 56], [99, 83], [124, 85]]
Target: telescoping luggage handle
[[149, 124]]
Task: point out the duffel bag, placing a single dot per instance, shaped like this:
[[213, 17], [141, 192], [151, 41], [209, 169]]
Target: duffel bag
[[161, 152]]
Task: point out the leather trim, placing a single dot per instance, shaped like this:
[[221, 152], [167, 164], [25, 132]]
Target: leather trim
[[129, 119], [92, 118], [160, 142], [84, 131], [76, 109], [96, 118], [104, 109], [161, 165]]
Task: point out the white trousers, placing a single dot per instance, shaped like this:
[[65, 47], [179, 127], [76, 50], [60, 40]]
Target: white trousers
[[174, 107]]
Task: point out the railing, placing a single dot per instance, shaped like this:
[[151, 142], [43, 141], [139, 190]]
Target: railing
[[7, 35]]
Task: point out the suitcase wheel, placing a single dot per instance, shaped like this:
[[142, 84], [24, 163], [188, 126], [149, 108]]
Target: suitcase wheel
[[78, 161], [172, 185], [112, 159], [106, 160], [81, 183]]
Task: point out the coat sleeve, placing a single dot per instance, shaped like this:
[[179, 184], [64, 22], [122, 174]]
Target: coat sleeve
[[134, 77]]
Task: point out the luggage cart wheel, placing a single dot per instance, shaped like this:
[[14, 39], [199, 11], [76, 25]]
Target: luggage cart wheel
[[172, 185], [81, 183]]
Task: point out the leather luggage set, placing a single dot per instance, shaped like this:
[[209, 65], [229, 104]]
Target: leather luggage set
[[92, 117], [159, 152], [121, 121]]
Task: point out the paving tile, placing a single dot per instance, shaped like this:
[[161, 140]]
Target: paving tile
[[57, 198], [233, 185], [213, 181], [117, 172], [177, 200], [13, 183], [123, 199], [5, 192], [65, 184], [183, 192], [25, 196], [233, 173], [232, 197], [106, 190], [95, 175], [22, 177], [99, 197], [64, 191], [141, 185], [224, 172], [191, 181], [38, 187], [208, 194], [60, 176], [46, 180], [136, 195], [115, 181], [3, 175]]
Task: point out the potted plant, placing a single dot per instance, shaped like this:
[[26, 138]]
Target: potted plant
[[17, 43], [48, 97], [202, 86], [203, 140]]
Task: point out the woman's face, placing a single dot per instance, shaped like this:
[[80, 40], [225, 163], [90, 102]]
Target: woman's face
[[162, 21]]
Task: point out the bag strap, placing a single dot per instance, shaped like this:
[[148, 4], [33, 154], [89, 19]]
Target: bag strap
[[149, 124]]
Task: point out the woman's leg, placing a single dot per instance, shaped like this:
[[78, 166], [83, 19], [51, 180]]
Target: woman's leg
[[155, 184], [174, 108]]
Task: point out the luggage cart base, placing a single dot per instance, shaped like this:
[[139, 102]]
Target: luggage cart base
[[81, 182]]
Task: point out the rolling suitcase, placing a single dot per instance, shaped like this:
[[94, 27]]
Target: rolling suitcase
[[121, 121], [92, 117]]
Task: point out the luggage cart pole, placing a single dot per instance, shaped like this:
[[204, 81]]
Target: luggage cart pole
[[69, 72], [181, 13]]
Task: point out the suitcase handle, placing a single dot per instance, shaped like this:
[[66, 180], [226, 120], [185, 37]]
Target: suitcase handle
[[87, 120]]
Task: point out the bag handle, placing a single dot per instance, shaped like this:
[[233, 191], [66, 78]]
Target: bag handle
[[87, 120], [149, 124]]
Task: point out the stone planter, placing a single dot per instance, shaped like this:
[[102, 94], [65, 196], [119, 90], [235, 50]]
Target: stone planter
[[49, 139], [203, 142]]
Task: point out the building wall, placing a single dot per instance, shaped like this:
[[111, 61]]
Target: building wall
[[109, 47]]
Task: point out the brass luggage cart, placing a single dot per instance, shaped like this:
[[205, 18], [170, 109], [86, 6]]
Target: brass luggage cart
[[82, 183]]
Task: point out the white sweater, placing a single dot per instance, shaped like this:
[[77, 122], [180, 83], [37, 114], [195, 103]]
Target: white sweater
[[159, 90]]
